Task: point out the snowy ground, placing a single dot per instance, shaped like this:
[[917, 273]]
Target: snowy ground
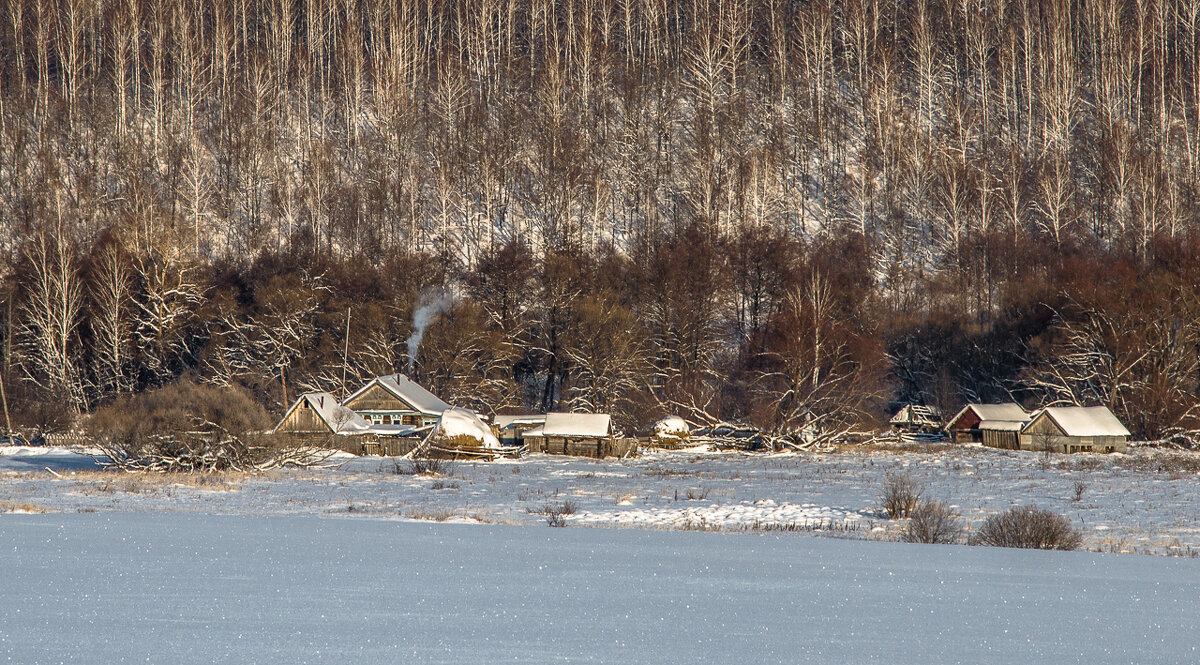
[[1146, 502], [179, 589]]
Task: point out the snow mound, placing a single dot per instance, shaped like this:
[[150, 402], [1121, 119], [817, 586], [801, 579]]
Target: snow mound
[[671, 426], [460, 426]]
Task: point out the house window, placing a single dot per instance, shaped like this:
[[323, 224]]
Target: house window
[[387, 420]]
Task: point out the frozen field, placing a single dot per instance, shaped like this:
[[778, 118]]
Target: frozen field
[[188, 588], [1146, 502]]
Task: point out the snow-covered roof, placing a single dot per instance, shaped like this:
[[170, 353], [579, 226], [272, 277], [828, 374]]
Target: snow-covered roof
[[589, 425], [336, 417], [456, 422], [398, 430], [508, 421], [917, 413], [1002, 425], [1009, 412], [407, 390], [1085, 420]]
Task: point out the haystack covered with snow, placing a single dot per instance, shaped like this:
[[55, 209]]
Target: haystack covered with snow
[[462, 430], [671, 431]]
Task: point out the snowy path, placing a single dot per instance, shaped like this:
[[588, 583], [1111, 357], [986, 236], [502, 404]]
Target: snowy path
[[181, 589]]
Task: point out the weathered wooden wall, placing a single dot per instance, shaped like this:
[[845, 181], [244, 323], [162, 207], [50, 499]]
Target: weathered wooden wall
[[598, 448]]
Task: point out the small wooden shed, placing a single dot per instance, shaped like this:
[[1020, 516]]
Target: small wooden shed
[[1075, 429], [583, 434], [396, 399], [511, 429], [320, 414], [916, 418], [1000, 420]]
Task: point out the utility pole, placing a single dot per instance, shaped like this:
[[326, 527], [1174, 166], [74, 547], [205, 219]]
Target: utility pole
[[346, 354], [4, 399]]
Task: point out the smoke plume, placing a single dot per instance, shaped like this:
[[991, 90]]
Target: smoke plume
[[430, 306]]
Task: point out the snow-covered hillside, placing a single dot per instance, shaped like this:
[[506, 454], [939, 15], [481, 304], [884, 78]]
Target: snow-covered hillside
[[181, 589]]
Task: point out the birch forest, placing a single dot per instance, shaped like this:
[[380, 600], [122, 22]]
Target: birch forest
[[799, 215]]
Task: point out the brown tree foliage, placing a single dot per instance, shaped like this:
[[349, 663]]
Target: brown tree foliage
[[669, 168]]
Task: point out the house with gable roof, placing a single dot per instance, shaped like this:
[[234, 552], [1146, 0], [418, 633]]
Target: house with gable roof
[[994, 425], [1075, 429], [320, 414], [395, 399]]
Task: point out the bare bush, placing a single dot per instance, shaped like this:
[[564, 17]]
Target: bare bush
[[1080, 487], [429, 466], [186, 427], [1029, 527], [565, 508], [901, 495], [556, 520], [933, 522]]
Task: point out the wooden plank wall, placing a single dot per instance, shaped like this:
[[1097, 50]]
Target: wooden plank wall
[[596, 448]]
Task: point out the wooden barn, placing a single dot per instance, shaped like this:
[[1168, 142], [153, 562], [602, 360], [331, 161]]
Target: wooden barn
[[320, 414], [1075, 429], [1000, 422], [396, 399], [583, 434], [916, 418]]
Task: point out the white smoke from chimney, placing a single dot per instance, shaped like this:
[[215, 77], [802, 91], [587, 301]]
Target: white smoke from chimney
[[430, 306]]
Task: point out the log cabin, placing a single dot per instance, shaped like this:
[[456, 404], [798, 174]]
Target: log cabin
[[395, 399]]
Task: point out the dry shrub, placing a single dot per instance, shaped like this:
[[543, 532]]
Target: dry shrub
[[1029, 527], [933, 522], [18, 507], [431, 515], [185, 427], [901, 495], [429, 466], [565, 508]]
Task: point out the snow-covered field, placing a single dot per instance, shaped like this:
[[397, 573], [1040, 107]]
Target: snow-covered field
[[1145, 502], [253, 589]]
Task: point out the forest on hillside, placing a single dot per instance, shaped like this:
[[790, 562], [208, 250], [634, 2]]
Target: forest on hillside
[[795, 214]]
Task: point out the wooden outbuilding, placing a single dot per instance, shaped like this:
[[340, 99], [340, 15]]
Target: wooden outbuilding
[[320, 414], [511, 429], [999, 421], [1075, 429], [396, 399], [917, 418], [583, 434]]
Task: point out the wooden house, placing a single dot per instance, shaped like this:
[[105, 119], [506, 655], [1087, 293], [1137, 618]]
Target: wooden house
[[396, 399], [320, 414], [915, 418], [584, 434], [1000, 422], [1075, 429]]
